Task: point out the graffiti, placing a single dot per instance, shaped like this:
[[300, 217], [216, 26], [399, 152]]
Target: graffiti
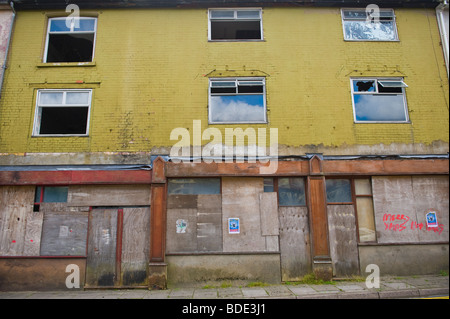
[[401, 222]]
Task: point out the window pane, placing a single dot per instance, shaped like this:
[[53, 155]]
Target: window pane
[[73, 47], [237, 108], [355, 14], [360, 30], [85, 25], [246, 14], [338, 191], [363, 187], [366, 224], [222, 14], [223, 84], [63, 120], [235, 30], [291, 191], [37, 196], [194, 186], [59, 26], [51, 98], [77, 98], [268, 185], [394, 84], [363, 86], [379, 108], [55, 194]]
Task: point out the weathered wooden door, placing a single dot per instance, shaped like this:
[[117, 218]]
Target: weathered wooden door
[[102, 246], [118, 247], [294, 243]]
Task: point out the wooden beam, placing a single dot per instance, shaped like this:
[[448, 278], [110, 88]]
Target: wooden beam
[[157, 223]]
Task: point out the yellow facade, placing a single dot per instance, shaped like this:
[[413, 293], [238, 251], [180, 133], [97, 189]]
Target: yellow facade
[[151, 69]]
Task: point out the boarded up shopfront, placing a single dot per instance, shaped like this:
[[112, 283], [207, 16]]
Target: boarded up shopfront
[[103, 229]]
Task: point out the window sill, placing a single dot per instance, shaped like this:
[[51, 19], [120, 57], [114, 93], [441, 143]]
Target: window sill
[[66, 64], [243, 40], [61, 135]]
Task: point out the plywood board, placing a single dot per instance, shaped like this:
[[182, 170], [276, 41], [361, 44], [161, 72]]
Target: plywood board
[[295, 245], [180, 239], [209, 223], [109, 195], [101, 259], [395, 209], [64, 232], [33, 234], [240, 199], [431, 194], [135, 246], [268, 206], [16, 204], [343, 241]]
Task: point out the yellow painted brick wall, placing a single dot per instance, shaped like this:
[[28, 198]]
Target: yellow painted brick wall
[[151, 76]]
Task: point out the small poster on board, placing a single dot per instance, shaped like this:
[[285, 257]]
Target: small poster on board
[[233, 226], [432, 219]]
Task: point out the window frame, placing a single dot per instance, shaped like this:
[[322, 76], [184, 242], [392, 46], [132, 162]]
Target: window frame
[[38, 117], [376, 92], [355, 19], [235, 18], [69, 32], [237, 80]]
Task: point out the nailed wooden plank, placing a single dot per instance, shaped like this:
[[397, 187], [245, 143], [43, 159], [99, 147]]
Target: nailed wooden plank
[[181, 238], [135, 248], [209, 223], [157, 223], [16, 203], [109, 195], [64, 232], [394, 209], [240, 199], [268, 207], [431, 194], [343, 241], [294, 242], [33, 234], [101, 258]]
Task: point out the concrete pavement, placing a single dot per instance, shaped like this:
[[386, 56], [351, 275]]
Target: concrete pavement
[[390, 288]]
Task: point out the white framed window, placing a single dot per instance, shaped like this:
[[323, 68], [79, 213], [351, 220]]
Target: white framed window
[[70, 44], [379, 100], [62, 112], [358, 26], [237, 100], [244, 24]]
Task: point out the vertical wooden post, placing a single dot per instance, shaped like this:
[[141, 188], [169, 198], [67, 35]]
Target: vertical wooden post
[[322, 265], [157, 267]]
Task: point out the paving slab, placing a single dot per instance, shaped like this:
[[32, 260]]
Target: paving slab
[[254, 292], [185, 293], [230, 293], [205, 294], [305, 290]]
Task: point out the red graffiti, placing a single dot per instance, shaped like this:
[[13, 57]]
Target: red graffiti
[[392, 222], [393, 218]]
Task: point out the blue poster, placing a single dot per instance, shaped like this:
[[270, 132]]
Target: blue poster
[[432, 219], [233, 225]]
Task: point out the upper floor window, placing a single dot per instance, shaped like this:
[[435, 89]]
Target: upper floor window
[[379, 100], [62, 112], [237, 100], [235, 24], [358, 26], [70, 40]]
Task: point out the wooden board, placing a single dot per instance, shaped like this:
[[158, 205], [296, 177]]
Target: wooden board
[[319, 231], [209, 223], [240, 199], [64, 232], [16, 204], [183, 240], [268, 206], [294, 243], [135, 246], [343, 241], [394, 209], [109, 195], [101, 258]]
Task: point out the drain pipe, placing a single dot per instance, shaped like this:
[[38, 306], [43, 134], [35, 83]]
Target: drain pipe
[[11, 3], [442, 18]]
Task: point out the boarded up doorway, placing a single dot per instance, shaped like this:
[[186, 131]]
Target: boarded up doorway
[[118, 247]]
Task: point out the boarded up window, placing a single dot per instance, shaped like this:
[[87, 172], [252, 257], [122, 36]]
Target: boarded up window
[[194, 186], [364, 208]]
